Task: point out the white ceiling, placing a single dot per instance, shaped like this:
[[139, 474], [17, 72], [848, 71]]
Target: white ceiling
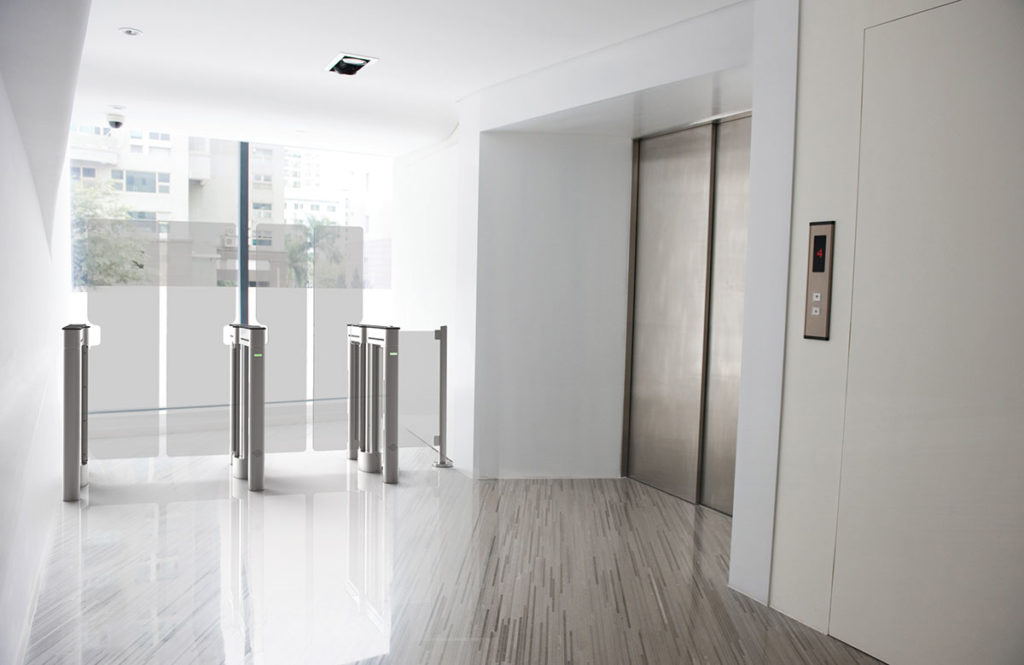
[[255, 69], [654, 110]]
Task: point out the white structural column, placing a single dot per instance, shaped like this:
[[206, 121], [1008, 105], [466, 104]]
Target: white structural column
[[776, 27], [462, 334]]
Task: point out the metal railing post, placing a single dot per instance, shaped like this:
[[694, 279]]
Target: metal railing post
[[441, 440]]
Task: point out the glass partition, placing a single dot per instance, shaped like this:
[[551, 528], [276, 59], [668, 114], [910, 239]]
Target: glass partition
[[156, 251], [154, 219], [116, 263]]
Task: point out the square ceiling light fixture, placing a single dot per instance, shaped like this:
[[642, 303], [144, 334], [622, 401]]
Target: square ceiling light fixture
[[349, 64]]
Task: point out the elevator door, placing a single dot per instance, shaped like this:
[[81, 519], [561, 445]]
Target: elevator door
[[725, 322], [688, 311], [669, 311]]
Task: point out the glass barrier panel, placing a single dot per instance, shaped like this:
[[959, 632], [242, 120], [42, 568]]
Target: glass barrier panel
[[337, 301], [418, 387], [280, 267]]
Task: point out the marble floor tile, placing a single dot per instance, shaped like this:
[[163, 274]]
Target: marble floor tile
[[169, 560]]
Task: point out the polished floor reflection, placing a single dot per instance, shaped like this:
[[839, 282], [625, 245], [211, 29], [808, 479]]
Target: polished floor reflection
[[168, 560]]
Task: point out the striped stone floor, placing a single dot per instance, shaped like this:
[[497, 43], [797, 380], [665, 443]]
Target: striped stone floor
[[171, 561]]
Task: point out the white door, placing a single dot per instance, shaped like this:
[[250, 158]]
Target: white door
[[930, 546]]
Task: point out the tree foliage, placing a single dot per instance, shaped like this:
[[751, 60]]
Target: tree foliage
[[316, 238], [106, 247]]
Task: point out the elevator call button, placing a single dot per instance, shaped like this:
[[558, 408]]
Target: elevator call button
[[818, 302]]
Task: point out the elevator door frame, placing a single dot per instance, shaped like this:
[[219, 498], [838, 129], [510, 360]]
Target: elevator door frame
[[631, 292]]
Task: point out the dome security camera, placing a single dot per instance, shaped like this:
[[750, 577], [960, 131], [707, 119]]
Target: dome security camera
[[115, 120]]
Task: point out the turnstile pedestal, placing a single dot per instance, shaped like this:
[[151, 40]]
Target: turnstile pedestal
[[247, 343], [373, 399], [76, 410]]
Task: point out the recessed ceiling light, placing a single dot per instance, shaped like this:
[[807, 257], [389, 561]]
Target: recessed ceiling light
[[348, 64], [129, 31]]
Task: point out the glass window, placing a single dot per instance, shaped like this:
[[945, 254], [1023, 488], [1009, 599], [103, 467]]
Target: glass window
[[140, 181], [163, 177], [262, 206], [314, 206], [157, 151], [138, 214], [165, 189], [88, 172], [135, 134], [76, 172], [117, 174]]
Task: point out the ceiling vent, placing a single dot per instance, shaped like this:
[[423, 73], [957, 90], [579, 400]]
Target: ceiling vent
[[349, 64]]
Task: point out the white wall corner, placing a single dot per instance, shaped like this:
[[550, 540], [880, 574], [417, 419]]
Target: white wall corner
[[462, 330]]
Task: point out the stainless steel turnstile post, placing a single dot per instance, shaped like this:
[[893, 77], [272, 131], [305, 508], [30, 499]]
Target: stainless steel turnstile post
[[248, 343], [76, 410], [441, 440], [373, 398], [356, 393]]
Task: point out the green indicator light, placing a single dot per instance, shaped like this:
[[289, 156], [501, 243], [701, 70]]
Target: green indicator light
[[394, 353], [257, 355]]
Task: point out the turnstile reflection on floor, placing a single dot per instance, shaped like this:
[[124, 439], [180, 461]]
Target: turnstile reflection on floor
[[373, 399], [76, 408], [247, 344]]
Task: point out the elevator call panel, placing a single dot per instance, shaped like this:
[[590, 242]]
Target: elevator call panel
[[818, 305]]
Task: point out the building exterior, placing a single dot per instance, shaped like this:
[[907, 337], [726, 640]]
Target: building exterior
[[184, 185]]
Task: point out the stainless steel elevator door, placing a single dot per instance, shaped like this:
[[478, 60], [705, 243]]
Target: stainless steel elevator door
[[725, 324], [669, 312]]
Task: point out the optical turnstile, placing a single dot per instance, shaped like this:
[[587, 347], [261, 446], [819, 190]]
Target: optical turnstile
[[76, 409], [247, 343], [373, 398]]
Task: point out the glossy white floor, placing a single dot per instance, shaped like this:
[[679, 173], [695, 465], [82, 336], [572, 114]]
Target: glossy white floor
[[168, 560]]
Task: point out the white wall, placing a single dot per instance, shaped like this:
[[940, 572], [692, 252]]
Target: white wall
[[424, 246], [39, 53], [814, 399], [551, 304]]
